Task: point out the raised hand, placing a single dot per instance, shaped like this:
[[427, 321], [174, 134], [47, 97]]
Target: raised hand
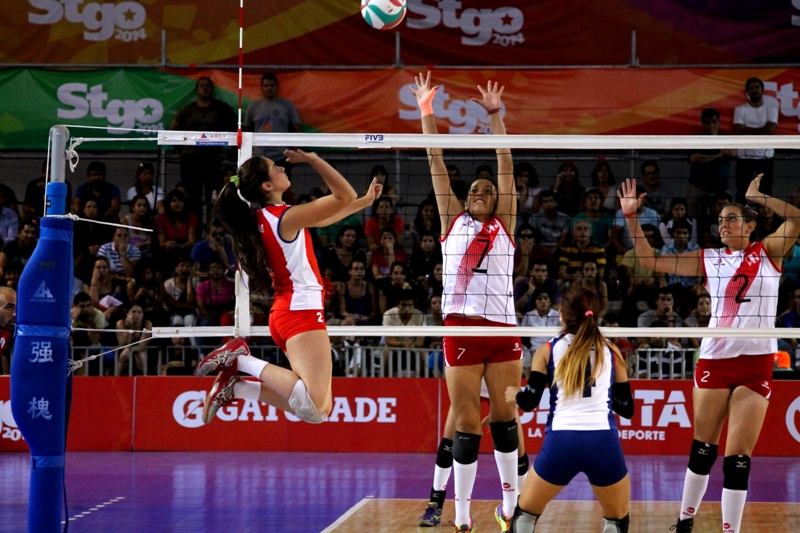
[[628, 200], [492, 97], [375, 190], [299, 156], [424, 91], [752, 194]]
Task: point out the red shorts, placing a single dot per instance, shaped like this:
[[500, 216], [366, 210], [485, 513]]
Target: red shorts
[[285, 324], [465, 351], [751, 371]]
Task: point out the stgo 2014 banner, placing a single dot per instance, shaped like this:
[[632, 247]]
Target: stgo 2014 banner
[[434, 32], [369, 415]]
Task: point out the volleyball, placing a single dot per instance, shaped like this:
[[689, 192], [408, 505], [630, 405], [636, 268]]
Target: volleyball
[[383, 14]]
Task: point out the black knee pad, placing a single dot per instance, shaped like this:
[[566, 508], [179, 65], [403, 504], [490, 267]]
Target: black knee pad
[[702, 457], [444, 457], [505, 436], [616, 526], [466, 447], [736, 472], [523, 464]]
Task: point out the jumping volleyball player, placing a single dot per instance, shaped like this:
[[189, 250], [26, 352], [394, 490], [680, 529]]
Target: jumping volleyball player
[[733, 377], [588, 378], [272, 239], [478, 266]]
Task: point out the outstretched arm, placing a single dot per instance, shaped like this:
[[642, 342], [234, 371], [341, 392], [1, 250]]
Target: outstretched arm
[[492, 102], [365, 201], [782, 240], [449, 205], [685, 264], [311, 214]]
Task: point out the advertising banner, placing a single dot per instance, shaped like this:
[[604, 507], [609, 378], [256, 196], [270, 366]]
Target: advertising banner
[[136, 103], [369, 415], [434, 32]]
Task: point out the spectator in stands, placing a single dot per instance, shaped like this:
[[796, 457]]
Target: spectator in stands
[[86, 316], [391, 290], [180, 295], [272, 114], [107, 292], [552, 224], [603, 180], [620, 235], [200, 165], [756, 117], [767, 222], [141, 216], [537, 279], [383, 216], [329, 235], [389, 253], [571, 258], [148, 292], [664, 312], [459, 188], [434, 281], [9, 222], [567, 188], [526, 180], [404, 314], [216, 295], [337, 257], [89, 235], [33, 204], [177, 228], [19, 250], [528, 250], [540, 316], [98, 189], [601, 220], [10, 198], [358, 303], [591, 279], [427, 220], [700, 317], [659, 348], [708, 225], [677, 211], [11, 276], [129, 331], [214, 246], [380, 174], [143, 186], [122, 257], [178, 353], [427, 256], [659, 193], [626, 347], [710, 168]]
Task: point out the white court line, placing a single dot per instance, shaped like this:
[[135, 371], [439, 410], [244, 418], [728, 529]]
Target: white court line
[[350, 512], [95, 508]]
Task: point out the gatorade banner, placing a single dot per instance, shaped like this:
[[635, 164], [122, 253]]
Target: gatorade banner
[[137, 103], [369, 415], [438, 32]]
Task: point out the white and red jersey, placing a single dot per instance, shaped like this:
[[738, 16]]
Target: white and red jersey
[[292, 264], [478, 270], [743, 286]]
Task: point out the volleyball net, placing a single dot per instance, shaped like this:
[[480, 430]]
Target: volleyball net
[[566, 221]]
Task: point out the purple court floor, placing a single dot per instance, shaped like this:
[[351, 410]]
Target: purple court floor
[[299, 492]]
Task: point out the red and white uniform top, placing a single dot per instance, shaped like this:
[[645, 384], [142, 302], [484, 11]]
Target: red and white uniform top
[[478, 270], [744, 294], [292, 264]]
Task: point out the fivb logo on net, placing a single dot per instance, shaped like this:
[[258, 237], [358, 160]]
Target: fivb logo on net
[[500, 26], [464, 116], [102, 21], [122, 115]]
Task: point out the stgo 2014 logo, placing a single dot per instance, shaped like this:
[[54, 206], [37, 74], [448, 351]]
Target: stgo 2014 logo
[[101, 21]]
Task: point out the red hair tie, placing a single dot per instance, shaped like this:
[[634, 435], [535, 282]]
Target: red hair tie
[[589, 312]]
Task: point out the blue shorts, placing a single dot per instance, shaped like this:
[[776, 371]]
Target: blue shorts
[[598, 454]]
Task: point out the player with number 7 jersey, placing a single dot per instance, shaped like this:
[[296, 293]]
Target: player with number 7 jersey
[[733, 377]]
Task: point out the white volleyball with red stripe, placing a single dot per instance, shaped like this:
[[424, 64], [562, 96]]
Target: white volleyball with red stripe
[[383, 14]]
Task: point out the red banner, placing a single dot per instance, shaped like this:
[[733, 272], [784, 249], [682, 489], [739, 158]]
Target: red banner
[[440, 32], [369, 415]]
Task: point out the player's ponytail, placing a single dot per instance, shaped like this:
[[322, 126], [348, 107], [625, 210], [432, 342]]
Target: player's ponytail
[[578, 313], [233, 210]]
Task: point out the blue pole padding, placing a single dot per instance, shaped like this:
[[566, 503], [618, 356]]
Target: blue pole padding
[[39, 368], [56, 198]]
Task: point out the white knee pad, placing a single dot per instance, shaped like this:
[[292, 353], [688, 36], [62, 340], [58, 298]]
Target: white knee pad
[[304, 408]]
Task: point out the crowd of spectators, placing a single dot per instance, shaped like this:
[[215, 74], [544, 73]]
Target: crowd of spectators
[[379, 267]]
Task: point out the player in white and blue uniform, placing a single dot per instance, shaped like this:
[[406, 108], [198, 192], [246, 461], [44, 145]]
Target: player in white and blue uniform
[[588, 382]]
